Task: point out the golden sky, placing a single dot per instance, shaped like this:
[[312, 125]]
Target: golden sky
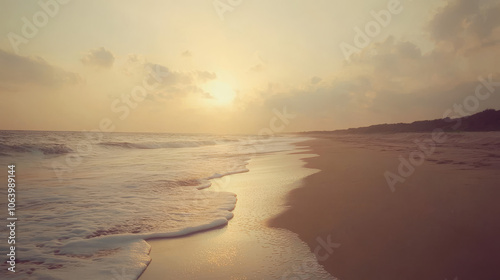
[[233, 66]]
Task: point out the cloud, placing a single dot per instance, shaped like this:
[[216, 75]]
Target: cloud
[[465, 24], [172, 84], [392, 68], [451, 19], [205, 76], [168, 83], [395, 81], [134, 64], [187, 54], [19, 71], [315, 80], [99, 57]]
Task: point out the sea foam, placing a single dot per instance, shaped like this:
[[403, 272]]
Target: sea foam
[[93, 222]]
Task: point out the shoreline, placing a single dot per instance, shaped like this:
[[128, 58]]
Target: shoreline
[[245, 248], [442, 223]]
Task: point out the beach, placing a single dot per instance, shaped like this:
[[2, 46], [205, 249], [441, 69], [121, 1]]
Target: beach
[[316, 206], [86, 213], [245, 248], [331, 194], [442, 222], [250, 140]]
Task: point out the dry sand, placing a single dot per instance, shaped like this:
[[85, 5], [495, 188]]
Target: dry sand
[[443, 222]]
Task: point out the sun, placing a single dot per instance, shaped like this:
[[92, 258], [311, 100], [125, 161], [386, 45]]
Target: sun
[[221, 92]]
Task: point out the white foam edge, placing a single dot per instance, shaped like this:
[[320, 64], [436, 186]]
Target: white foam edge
[[217, 175], [87, 247]]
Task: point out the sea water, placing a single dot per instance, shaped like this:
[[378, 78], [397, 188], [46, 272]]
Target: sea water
[[86, 202]]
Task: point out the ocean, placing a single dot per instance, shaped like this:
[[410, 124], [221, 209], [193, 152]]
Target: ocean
[[86, 201]]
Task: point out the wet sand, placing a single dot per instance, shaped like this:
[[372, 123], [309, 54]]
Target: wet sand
[[246, 248]]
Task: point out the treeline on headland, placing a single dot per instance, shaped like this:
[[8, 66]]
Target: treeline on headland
[[488, 120]]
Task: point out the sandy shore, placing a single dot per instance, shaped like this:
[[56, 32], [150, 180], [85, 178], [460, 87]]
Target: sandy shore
[[246, 248], [443, 222]]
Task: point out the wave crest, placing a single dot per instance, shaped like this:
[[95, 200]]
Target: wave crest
[[159, 145], [46, 149]]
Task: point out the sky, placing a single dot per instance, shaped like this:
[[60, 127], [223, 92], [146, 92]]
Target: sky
[[244, 66]]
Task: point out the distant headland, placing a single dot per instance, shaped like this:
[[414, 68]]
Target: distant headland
[[487, 120]]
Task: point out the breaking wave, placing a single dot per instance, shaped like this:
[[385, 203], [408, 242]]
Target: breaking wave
[[46, 149], [159, 145]]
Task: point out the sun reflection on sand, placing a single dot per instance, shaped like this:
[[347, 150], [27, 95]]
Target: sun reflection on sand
[[246, 248], [223, 256]]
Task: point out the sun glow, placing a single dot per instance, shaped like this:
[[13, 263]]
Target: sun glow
[[222, 93]]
